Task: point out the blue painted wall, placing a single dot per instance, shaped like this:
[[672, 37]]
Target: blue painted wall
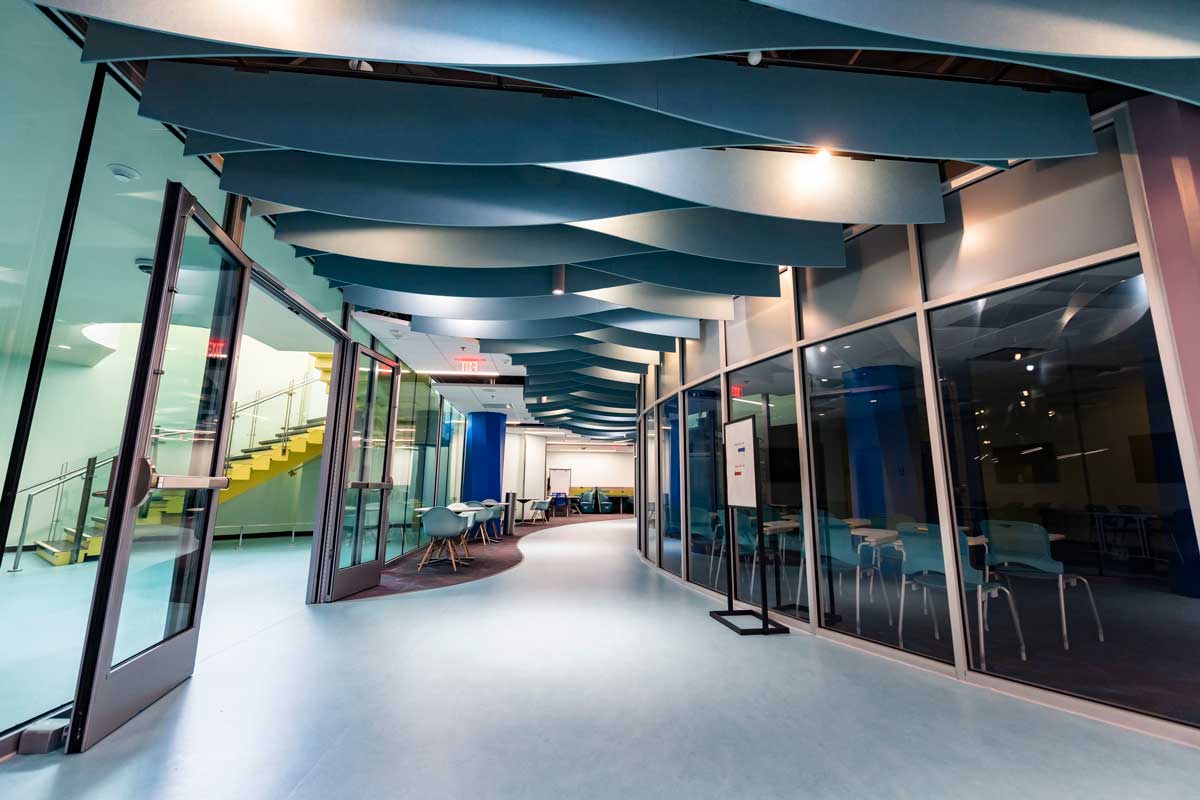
[[484, 458]]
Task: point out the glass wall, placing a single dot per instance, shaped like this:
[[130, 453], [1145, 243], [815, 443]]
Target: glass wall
[[766, 391], [93, 345], [422, 481], [762, 324], [668, 372], [703, 356], [705, 486], [457, 452], [1069, 494], [879, 556], [671, 496], [650, 514], [877, 279], [404, 490]]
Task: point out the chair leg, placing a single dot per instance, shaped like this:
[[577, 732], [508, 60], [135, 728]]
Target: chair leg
[[1062, 613], [1095, 613], [1012, 608], [428, 552], [466, 549], [857, 599], [753, 571], [900, 615], [453, 562], [799, 580], [982, 638], [937, 631], [883, 590]]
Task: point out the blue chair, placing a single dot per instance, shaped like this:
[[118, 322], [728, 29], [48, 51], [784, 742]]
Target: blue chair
[[1022, 549], [841, 553], [923, 567], [587, 502], [606, 503], [498, 512], [560, 501], [444, 528]]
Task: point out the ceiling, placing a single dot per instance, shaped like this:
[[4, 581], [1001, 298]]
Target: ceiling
[[566, 191]]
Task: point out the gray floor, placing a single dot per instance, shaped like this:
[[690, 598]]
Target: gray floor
[[582, 673]]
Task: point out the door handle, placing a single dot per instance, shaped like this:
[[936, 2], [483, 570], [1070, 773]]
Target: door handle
[[190, 482], [369, 485]]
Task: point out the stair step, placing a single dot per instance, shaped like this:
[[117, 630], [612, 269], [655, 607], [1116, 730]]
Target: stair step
[[260, 449], [57, 552], [239, 458]]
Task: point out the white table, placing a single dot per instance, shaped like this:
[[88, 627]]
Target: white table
[[857, 522], [876, 536]]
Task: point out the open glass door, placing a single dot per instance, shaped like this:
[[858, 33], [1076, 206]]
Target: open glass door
[[367, 473], [143, 628]]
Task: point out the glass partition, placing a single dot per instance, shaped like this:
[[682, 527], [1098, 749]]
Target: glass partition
[[1069, 492], [671, 525], [879, 556], [703, 356], [766, 391], [762, 323], [650, 450], [668, 371], [404, 450], [878, 278], [706, 486]]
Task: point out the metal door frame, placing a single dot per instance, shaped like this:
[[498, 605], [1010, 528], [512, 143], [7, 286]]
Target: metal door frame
[[107, 696], [334, 583]]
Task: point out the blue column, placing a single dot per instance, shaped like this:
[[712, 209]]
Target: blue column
[[483, 461]]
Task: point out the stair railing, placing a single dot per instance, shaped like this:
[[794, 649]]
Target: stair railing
[[290, 392], [87, 473]]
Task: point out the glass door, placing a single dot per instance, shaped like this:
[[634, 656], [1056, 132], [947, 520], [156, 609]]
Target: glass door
[[367, 470], [162, 498]]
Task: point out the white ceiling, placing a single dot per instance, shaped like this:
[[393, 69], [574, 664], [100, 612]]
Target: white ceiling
[[435, 355]]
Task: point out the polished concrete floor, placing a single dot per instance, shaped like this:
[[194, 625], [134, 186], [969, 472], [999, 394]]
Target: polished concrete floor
[[584, 673]]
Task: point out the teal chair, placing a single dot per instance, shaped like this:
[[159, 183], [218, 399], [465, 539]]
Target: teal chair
[[923, 567], [1022, 549], [483, 515], [841, 554], [587, 502], [605, 503], [444, 528], [540, 508]]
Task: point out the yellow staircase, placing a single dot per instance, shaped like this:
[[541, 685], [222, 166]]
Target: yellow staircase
[[257, 465], [253, 467]]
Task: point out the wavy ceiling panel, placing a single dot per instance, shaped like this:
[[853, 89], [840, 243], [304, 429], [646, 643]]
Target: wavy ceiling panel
[[580, 361], [628, 338], [730, 235], [801, 186], [665, 300], [681, 271], [200, 143], [1173, 77], [888, 115], [580, 405], [373, 119], [657, 324], [428, 194], [482, 308], [1145, 29], [570, 343], [461, 281], [441, 246]]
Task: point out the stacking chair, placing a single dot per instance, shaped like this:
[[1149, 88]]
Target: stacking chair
[[483, 514], [1022, 549], [444, 528], [841, 555], [604, 502], [587, 502], [560, 502], [540, 508], [498, 511], [923, 567]]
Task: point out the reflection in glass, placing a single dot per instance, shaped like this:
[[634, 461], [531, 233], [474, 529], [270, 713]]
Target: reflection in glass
[[670, 474], [706, 486], [365, 463], [766, 391], [878, 541], [404, 490], [650, 443], [166, 555], [1068, 488]]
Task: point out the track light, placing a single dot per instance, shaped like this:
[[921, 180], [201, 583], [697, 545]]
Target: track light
[[560, 279], [754, 58]]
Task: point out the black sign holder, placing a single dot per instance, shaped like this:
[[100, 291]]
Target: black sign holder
[[769, 626]]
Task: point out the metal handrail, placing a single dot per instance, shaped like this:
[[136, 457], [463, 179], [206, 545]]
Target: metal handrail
[[291, 389], [50, 483], [32, 492]]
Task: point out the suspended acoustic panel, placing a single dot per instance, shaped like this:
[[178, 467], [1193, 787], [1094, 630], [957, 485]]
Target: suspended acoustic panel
[[263, 208], [482, 308], [807, 186], [578, 404], [608, 374], [682, 271], [577, 343], [374, 119], [199, 143], [730, 235], [886, 115], [644, 322], [442, 246], [503, 329], [461, 281], [1145, 29], [577, 378], [665, 300], [629, 338], [428, 194], [1173, 77]]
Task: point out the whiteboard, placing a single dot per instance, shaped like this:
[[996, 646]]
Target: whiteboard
[[740, 462], [560, 481]]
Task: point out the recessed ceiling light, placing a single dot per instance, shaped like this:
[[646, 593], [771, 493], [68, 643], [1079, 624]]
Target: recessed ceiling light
[[124, 173], [63, 346]]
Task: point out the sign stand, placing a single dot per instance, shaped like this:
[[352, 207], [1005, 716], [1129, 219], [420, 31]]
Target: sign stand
[[742, 491]]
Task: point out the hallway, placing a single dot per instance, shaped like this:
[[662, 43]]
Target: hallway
[[583, 673]]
